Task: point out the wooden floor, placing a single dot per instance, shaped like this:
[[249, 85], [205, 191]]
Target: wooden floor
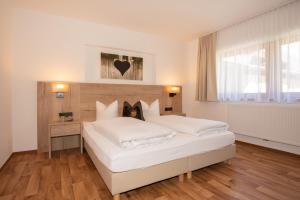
[[255, 173]]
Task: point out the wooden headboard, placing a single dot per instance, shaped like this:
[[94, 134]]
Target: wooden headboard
[[81, 100]]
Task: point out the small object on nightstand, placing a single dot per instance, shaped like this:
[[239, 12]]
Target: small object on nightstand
[[61, 129], [65, 116]]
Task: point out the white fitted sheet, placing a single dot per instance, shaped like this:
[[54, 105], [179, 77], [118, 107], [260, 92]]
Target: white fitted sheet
[[118, 159]]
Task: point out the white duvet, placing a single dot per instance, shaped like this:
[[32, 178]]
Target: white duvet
[[189, 125], [130, 133]]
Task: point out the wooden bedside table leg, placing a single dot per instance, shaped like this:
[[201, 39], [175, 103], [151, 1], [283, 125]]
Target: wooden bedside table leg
[[49, 143], [189, 175], [117, 197], [81, 144], [181, 177], [50, 147]]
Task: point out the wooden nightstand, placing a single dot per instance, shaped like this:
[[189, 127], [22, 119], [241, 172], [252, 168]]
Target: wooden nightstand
[[61, 129]]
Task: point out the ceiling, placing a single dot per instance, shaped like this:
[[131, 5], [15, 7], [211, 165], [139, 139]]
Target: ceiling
[[180, 19]]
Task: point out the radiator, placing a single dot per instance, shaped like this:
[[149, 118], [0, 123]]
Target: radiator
[[279, 123]]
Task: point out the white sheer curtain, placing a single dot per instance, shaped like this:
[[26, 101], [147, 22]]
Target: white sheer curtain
[[259, 60]]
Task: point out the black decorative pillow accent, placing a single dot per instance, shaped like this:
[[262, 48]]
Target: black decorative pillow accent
[[134, 111]]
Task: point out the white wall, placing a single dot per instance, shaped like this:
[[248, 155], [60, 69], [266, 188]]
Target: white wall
[[5, 86], [54, 48]]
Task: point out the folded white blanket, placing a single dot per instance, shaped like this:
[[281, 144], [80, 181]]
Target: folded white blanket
[[189, 125], [130, 133]]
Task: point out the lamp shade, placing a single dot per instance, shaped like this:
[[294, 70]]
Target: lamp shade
[[60, 87], [173, 89]]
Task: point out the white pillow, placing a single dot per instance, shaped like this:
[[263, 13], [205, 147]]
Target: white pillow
[[106, 112], [150, 110]]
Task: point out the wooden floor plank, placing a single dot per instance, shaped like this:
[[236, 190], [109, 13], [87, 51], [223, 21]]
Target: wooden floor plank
[[15, 177], [7, 197], [66, 182], [223, 188], [272, 193], [79, 191], [255, 173], [33, 184]]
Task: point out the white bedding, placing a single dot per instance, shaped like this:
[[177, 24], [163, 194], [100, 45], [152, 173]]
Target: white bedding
[[131, 133], [118, 159], [189, 125]]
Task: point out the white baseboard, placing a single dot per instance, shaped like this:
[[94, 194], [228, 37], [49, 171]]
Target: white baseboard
[[268, 143]]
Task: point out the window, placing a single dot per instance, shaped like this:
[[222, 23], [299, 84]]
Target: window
[[290, 67], [247, 70], [259, 59], [269, 72]]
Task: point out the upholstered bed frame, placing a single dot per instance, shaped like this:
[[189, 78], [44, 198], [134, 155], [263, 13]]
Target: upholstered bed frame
[[118, 182]]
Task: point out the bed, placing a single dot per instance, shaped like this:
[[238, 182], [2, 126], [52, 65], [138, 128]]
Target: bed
[[124, 170], [121, 176]]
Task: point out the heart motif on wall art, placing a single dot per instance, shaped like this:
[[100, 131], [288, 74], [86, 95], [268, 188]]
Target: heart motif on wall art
[[122, 66]]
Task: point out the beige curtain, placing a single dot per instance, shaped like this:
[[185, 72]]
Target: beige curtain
[[206, 88]]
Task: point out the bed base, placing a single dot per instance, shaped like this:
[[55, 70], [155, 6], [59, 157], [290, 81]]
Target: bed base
[[119, 182]]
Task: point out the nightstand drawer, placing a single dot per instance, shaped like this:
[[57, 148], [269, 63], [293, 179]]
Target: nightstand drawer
[[62, 130]]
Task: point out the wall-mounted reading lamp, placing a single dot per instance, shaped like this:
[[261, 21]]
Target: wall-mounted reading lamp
[[172, 90], [60, 89]]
